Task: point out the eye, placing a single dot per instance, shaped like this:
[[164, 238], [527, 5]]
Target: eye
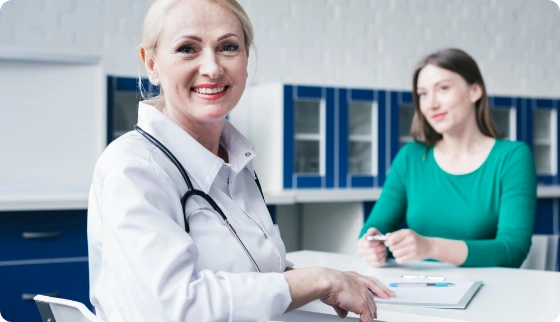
[[421, 94], [443, 88], [186, 49], [230, 48]]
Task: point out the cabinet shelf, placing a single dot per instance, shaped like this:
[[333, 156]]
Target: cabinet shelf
[[360, 138]]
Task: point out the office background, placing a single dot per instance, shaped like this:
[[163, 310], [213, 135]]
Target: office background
[[345, 47]]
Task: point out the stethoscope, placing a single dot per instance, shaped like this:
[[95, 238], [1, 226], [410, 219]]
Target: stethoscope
[[194, 192]]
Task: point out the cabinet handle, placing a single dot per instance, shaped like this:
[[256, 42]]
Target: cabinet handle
[[48, 234], [29, 297]]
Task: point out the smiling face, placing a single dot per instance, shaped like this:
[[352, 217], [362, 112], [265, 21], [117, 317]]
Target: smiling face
[[200, 61], [446, 100]]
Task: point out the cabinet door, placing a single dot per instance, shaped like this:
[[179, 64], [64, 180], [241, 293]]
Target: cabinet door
[[35, 235], [21, 282], [544, 138], [400, 120], [360, 137], [308, 137], [123, 96], [505, 113]]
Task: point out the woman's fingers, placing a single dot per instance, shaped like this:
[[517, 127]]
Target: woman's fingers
[[342, 313]]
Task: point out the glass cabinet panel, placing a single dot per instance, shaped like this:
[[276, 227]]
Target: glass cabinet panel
[[309, 134], [504, 119], [544, 140], [125, 112], [362, 127], [406, 117]]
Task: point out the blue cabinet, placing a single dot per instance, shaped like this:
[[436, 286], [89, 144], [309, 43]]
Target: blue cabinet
[[360, 140], [293, 130], [542, 137], [308, 137], [507, 113], [44, 252]]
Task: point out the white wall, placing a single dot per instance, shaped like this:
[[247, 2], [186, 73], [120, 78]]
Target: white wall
[[358, 43]]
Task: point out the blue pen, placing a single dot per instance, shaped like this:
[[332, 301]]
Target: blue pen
[[444, 284]]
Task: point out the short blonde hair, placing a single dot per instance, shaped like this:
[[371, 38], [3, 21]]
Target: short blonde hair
[[153, 22]]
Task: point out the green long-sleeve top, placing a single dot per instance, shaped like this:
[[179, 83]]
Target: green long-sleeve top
[[492, 208]]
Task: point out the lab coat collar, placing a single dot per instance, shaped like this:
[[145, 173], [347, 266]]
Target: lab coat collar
[[201, 165]]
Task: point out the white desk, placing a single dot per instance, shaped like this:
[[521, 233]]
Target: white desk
[[506, 295]]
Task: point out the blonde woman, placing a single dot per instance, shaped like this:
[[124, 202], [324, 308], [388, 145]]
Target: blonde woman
[[177, 226]]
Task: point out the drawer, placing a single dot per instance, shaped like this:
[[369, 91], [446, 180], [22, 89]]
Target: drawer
[[68, 280], [43, 234]]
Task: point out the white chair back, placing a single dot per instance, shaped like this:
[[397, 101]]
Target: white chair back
[[543, 254], [53, 309]]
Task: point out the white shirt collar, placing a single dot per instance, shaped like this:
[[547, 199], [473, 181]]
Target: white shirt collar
[[201, 164]]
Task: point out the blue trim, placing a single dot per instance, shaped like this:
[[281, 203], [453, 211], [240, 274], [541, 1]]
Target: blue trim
[[272, 212], [521, 111], [543, 217], [111, 85], [312, 92], [366, 95], [541, 104], [289, 136], [368, 207], [342, 137], [544, 103], [358, 181], [330, 138], [127, 84], [308, 181], [394, 110], [502, 101], [407, 98], [381, 136]]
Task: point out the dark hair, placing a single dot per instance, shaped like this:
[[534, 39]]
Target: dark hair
[[459, 62]]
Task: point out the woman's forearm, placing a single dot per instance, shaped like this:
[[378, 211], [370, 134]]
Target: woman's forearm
[[307, 284], [449, 250]]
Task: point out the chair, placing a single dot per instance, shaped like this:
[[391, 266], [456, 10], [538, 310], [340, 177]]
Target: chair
[[54, 309], [543, 254]]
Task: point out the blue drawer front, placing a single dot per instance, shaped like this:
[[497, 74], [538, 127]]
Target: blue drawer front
[[69, 279], [72, 242]]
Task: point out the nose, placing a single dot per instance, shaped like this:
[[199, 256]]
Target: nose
[[210, 65], [432, 101]]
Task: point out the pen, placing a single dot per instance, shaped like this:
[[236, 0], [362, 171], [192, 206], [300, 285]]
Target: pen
[[377, 237], [431, 278], [444, 284]]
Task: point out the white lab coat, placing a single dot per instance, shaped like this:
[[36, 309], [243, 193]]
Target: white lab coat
[[145, 267]]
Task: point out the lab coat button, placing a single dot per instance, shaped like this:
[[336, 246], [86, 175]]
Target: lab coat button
[[248, 154]]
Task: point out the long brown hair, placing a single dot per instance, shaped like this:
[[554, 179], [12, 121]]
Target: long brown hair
[[459, 62]]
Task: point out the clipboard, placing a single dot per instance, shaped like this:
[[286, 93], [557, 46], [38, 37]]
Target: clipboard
[[456, 296]]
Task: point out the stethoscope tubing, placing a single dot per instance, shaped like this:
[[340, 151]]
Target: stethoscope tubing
[[194, 192]]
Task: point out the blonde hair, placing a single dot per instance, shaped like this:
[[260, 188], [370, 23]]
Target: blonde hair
[[153, 24]]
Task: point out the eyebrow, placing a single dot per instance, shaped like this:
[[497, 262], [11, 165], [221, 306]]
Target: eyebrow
[[436, 84], [193, 37]]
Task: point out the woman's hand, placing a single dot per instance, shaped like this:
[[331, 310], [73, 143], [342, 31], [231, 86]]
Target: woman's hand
[[352, 292], [372, 251], [406, 245]]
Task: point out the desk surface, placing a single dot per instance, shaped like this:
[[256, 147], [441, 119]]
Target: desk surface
[[506, 295]]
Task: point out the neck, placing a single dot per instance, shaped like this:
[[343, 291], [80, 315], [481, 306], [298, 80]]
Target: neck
[[207, 134], [462, 141]]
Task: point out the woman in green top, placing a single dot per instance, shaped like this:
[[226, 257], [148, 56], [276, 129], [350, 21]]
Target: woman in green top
[[468, 197]]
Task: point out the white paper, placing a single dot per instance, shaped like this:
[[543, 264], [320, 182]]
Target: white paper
[[425, 295]]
